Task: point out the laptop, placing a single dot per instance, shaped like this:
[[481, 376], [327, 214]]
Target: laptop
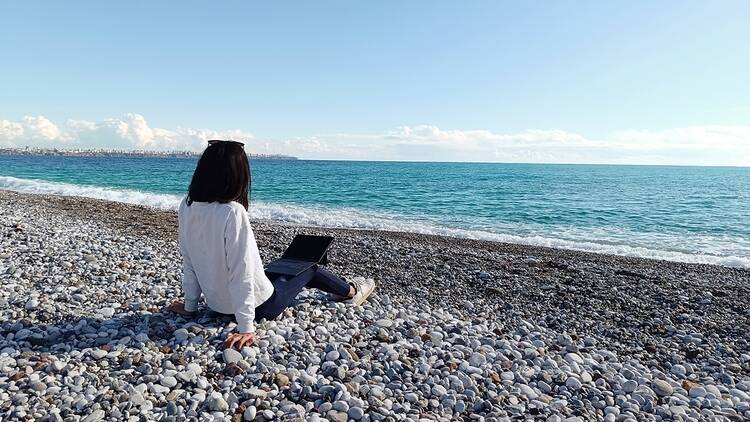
[[304, 252]]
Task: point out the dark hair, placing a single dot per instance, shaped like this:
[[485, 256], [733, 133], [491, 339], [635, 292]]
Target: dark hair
[[222, 174]]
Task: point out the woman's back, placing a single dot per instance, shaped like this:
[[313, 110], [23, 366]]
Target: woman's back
[[212, 234]]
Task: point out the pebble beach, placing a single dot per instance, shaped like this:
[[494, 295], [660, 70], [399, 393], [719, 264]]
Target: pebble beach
[[457, 329]]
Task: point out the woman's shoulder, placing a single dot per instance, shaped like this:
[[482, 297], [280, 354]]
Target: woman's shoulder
[[236, 216], [227, 206], [234, 206], [234, 209], [225, 210]]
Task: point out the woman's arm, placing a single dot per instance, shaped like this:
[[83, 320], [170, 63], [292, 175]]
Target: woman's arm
[[238, 236], [190, 287]]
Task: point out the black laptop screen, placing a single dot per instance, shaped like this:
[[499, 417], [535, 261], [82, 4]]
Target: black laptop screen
[[308, 248]]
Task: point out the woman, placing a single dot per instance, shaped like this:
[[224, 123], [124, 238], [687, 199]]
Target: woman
[[220, 259]]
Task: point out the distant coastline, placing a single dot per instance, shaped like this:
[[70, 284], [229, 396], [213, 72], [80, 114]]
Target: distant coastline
[[100, 152]]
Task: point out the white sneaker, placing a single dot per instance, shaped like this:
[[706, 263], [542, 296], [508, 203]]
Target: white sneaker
[[364, 287]]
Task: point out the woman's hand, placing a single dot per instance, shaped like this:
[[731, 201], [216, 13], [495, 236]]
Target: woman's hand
[[178, 307], [239, 340]]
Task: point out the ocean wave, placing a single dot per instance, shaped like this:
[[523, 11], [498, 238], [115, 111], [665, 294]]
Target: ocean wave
[[156, 200], [359, 219]]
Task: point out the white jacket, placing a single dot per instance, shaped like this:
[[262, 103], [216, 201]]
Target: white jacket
[[220, 260]]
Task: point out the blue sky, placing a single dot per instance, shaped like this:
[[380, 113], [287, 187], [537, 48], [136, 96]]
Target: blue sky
[[479, 80]]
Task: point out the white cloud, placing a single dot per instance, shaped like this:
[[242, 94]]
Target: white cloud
[[695, 145], [34, 129], [698, 145], [130, 132]]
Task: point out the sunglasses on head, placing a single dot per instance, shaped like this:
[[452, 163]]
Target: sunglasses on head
[[218, 141]]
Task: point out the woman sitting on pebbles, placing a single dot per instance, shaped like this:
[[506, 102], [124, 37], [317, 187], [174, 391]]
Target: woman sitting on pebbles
[[220, 259]]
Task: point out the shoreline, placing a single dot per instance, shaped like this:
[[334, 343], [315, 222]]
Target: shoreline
[[500, 329], [637, 246], [517, 247]]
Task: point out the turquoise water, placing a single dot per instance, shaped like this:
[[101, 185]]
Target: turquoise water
[[692, 214]]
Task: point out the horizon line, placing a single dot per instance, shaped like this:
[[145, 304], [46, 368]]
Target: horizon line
[[156, 153]]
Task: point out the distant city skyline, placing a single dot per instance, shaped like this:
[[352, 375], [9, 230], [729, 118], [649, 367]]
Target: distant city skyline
[[610, 83], [116, 152]]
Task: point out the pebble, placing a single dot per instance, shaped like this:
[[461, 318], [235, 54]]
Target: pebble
[[573, 383], [574, 358], [629, 386], [107, 312], [217, 403], [336, 416], [231, 356], [439, 391], [662, 388], [96, 415], [249, 413], [98, 353], [281, 380], [384, 323], [356, 413], [477, 359], [341, 406], [528, 391], [168, 382], [696, 392], [181, 335], [31, 304], [678, 370]]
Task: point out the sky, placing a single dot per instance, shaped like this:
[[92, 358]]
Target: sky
[[546, 81]]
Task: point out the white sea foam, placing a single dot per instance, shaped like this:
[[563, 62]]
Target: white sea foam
[[156, 200], [353, 218]]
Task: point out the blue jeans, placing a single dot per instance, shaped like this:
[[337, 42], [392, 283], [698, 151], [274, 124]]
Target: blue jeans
[[286, 288]]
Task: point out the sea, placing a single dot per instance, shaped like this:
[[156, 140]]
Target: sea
[[686, 214]]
